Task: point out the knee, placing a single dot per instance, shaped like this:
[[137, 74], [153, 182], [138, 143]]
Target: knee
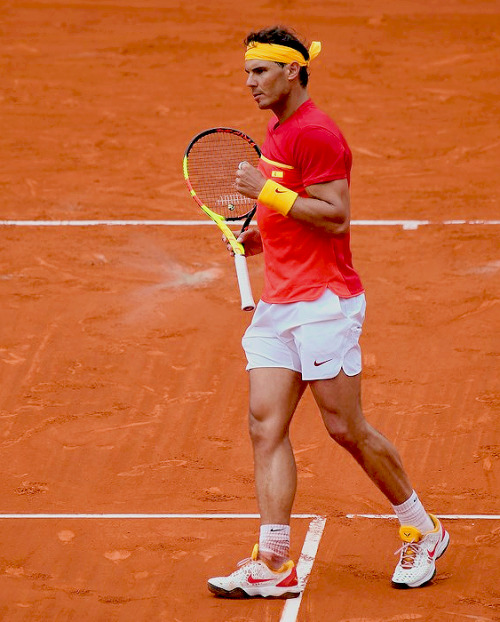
[[255, 428], [265, 432], [347, 435]]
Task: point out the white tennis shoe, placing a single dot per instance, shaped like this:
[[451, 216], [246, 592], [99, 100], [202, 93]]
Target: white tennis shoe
[[254, 579], [417, 561]]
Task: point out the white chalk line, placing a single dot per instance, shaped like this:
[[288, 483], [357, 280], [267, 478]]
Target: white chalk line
[[304, 565], [443, 516], [309, 548], [128, 516], [405, 224], [140, 516]]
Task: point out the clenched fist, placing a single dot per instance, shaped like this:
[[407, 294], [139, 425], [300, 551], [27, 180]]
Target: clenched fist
[[249, 180]]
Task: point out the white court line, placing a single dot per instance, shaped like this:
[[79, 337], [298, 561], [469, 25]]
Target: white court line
[[309, 549], [304, 566], [405, 224], [444, 516], [128, 516], [139, 516]]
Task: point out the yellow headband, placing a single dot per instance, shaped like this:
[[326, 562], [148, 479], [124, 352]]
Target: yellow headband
[[281, 53]]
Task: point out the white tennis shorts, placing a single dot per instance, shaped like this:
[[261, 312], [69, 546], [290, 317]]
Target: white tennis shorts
[[316, 338]]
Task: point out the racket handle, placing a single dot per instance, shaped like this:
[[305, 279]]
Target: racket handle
[[247, 301]]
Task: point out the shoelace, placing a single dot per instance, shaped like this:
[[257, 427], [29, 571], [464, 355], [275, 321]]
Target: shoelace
[[408, 552], [244, 561]]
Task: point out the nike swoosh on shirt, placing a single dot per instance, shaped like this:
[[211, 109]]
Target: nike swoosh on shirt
[[278, 191], [316, 364]]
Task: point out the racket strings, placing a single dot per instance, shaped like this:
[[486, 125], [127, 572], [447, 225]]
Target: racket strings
[[212, 164]]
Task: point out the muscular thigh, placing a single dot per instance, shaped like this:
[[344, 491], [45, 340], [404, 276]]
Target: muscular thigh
[[274, 394], [339, 401]]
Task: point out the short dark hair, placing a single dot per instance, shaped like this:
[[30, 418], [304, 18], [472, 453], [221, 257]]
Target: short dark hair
[[281, 35]]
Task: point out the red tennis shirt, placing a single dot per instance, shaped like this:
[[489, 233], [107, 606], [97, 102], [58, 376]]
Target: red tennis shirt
[[301, 261]]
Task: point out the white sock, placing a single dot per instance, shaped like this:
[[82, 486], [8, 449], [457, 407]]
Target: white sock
[[412, 512], [275, 539]]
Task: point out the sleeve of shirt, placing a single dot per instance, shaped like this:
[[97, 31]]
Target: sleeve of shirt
[[320, 155]]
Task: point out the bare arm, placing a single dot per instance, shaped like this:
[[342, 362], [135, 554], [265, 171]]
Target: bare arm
[[328, 206]]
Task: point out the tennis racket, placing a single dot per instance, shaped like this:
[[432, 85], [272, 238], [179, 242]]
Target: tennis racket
[[210, 164]]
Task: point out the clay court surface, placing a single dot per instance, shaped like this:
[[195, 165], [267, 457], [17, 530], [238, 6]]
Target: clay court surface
[[123, 390]]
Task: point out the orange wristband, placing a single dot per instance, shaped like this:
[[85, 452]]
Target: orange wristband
[[277, 197]]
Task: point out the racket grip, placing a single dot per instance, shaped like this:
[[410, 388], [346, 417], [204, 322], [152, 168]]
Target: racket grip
[[247, 301]]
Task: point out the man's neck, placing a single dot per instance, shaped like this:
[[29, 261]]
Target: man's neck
[[292, 103]]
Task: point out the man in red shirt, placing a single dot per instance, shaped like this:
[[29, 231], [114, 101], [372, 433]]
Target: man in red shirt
[[306, 328]]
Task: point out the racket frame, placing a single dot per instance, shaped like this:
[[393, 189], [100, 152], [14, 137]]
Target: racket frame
[[247, 301]]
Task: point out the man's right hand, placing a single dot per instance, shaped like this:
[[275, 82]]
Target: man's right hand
[[250, 239]]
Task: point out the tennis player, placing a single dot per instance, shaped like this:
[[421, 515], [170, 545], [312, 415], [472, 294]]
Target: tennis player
[[306, 328]]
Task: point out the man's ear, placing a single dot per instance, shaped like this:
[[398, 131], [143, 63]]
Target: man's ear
[[292, 70]]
